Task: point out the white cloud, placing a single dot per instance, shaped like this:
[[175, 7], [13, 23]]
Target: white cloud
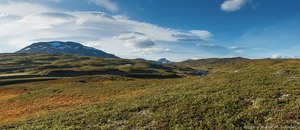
[[193, 36], [279, 56], [202, 34], [237, 48], [107, 4], [276, 56], [222, 49], [2, 15], [136, 40], [22, 8], [233, 5], [152, 50], [209, 46]]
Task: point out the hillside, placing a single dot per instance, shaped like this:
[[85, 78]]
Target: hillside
[[237, 94], [46, 66], [212, 62]]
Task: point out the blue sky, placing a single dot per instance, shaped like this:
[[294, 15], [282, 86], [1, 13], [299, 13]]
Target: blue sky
[[151, 29]]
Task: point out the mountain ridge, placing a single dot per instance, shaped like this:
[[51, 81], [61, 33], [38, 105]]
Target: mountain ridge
[[69, 47]]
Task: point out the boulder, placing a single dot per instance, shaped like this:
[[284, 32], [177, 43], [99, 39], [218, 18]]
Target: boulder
[[199, 73], [80, 81], [282, 72]]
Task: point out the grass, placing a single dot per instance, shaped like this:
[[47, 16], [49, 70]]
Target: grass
[[43, 64], [235, 95]]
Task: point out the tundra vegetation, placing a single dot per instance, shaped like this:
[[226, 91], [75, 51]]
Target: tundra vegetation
[[41, 91]]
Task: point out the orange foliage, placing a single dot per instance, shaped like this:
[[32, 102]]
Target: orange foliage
[[13, 111]]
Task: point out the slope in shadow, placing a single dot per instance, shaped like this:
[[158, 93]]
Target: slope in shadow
[[3, 83], [73, 73]]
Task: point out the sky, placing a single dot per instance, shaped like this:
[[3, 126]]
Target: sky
[[153, 29]]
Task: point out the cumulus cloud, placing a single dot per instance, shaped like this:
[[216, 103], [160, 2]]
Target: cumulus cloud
[[107, 4], [233, 5]]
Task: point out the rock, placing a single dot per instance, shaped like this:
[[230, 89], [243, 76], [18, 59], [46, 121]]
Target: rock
[[281, 95], [128, 65], [282, 72], [80, 81], [199, 73]]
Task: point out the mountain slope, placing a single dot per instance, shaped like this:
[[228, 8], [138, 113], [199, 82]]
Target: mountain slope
[[57, 47], [213, 63], [71, 66]]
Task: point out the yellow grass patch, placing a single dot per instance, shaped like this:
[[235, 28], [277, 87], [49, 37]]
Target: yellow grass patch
[[13, 74], [5, 97]]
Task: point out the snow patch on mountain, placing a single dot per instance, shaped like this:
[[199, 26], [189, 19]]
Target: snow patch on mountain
[[27, 49], [60, 46], [90, 48]]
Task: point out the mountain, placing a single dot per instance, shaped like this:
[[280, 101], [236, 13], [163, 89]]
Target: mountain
[[163, 61], [58, 47], [159, 61]]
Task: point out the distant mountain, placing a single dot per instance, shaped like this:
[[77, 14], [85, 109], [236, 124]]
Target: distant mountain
[[163, 61], [58, 47], [159, 61], [140, 59]]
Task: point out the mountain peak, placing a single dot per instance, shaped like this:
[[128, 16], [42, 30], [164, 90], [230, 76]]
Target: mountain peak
[[163, 60], [58, 47]]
